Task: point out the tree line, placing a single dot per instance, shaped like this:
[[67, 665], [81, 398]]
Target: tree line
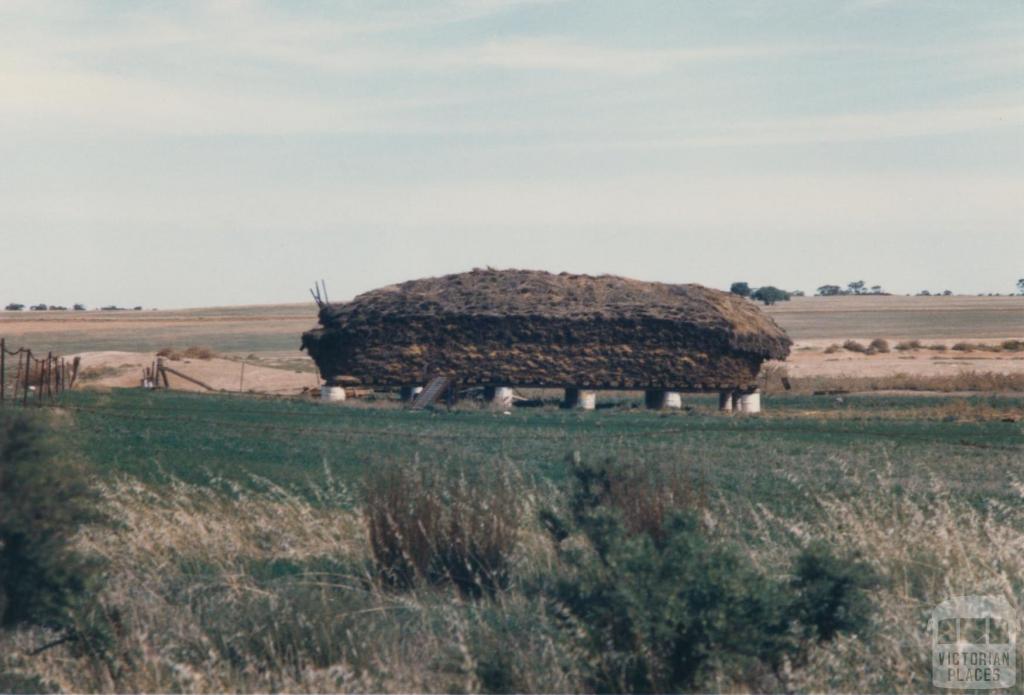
[[15, 306]]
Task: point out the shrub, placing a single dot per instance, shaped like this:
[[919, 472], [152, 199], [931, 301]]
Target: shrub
[[854, 346], [198, 353], [833, 348], [43, 500], [938, 347], [1013, 345], [963, 347], [909, 345], [661, 614], [879, 345], [431, 528]]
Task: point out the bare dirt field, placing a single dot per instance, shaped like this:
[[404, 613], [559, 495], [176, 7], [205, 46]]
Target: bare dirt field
[[115, 346]]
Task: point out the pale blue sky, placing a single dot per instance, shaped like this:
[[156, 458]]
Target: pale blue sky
[[198, 153]]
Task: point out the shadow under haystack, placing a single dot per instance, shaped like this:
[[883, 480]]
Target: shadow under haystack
[[533, 328]]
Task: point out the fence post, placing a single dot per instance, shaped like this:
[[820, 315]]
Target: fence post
[[28, 375], [3, 369], [39, 386]]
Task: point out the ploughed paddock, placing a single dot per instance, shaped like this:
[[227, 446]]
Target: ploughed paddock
[[506, 328]]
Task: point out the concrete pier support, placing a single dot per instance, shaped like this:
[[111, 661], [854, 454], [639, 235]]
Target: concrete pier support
[[750, 402], [333, 394], [580, 399], [498, 396], [657, 399], [726, 401], [408, 393]]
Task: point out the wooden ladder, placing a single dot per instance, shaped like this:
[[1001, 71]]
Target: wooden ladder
[[431, 392]]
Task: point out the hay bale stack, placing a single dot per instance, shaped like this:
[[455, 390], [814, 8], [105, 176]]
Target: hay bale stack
[[532, 328]]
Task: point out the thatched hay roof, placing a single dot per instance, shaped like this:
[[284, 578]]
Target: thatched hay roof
[[722, 318]]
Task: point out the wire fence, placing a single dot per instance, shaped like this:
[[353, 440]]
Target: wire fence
[[28, 379]]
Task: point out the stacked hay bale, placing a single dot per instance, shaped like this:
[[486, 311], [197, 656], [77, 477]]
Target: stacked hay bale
[[532, 328]]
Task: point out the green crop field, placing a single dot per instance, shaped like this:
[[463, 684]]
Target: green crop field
[[291, 443]]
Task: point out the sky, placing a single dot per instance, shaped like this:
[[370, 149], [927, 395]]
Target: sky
[[175, 154]]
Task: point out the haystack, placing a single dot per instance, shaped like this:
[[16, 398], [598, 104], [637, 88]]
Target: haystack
[[532, 328]]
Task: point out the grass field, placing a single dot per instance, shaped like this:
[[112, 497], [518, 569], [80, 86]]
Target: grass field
[[237, 556], [153, 436]]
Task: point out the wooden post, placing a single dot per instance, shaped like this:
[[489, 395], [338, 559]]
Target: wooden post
[[39, 386], [49, 375], [27, 375], [3, 368], [74, 370], [17, 379]]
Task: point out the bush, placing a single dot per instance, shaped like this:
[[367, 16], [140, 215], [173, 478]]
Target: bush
[[963, 347], [909, 345], [879, 345], [938, 347], [662, 613], [1013, 345], [854, 346], [43, 501], [430, 528], [14, 306], [198, 353]]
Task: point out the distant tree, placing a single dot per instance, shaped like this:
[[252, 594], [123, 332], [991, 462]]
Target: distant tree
[[797, 293], [58, 307], [856, 287], [138, 308], [14, 306], [38, 307], [742, 289], [924, 293], [770, 295], [876, 289], [947, 293], [1020, 285], [79, 307], [829, 291]]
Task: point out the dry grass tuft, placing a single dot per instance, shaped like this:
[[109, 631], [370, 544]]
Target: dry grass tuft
[[426, 527]]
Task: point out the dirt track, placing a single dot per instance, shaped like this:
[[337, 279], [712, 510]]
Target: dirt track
[[112, 369]]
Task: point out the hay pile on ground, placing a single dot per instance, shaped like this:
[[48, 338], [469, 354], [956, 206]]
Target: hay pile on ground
[[532, 328]]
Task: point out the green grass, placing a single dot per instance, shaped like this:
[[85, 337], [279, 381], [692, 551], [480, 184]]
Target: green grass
[[739, 460]]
